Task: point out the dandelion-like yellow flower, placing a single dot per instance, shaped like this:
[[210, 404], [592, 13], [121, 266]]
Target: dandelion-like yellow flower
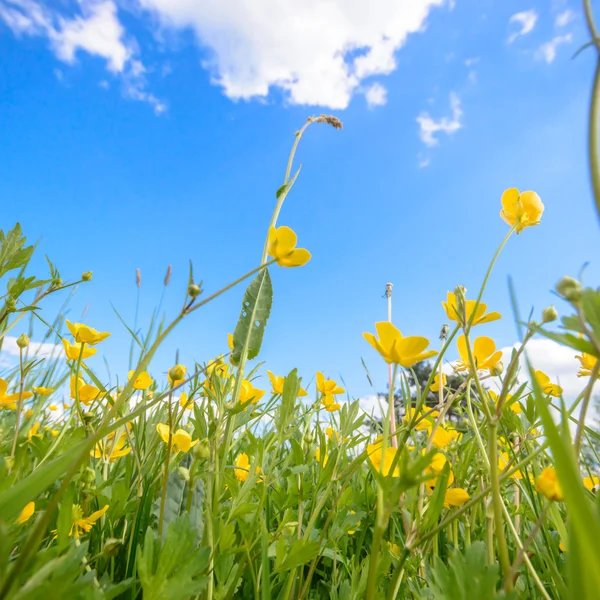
[[587, 362], [332, 434], [42, 391], [73, 351], [396, 349], [142, 382], [549, 388], [26, 513], [547, 484], [277, 382], [181, 440], [9, 401], [87, 335], [453, 312], [455, 497], [515, 406], [33, 432], [282, 247], [242, 468], [443, 437], [248, 393], [383, 461], [87, 392], [484, 354], [329, 390], [521, 209], [422, 423], [83, 524]]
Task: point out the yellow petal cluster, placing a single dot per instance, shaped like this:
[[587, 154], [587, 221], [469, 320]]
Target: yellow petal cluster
[[453, 312], [282, 247], [86, 335], [523, 209], [484, 354]]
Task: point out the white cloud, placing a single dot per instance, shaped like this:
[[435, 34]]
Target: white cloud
[[97, 31], [564, 18], [525, 21], [39, 349], [472, 61], [376, 95], [549, 50], [316, 52], [429, 127], [423, 161]]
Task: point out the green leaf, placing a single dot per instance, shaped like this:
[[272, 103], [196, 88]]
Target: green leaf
[[590, 302], [300, 553], [13, 254], [256, 308]]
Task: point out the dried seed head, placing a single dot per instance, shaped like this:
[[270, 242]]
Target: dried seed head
[[331, 120], [168, 275], [138, 277], [445, 330]]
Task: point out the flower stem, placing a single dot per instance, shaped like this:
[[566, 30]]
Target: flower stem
[[163, 497], [20, 404]]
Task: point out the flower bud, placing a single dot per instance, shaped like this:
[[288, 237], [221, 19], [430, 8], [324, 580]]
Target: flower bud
[[111, 547], [549, 314], [87, 276], [183, 473], [57, 282], [23, 341], [194, 290], [202, 450], [177, 373], [308, 438], [149, 395], [290, 528], [498, 369], [11, 303], [569, 288], [9, 462], [88, 475]]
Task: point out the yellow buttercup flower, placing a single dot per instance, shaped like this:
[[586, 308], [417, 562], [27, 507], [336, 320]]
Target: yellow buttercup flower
[[181, 440], [484, 354], [230, 341], [217, 366], [54, 432], [185, 403], [422, 424], [26, 513], [591, 482], [33, 432], [396, 349], [332, 434], [87, 335], [455, 497], [435, 468], [323, 462], [242, 468], [83, 524], [248, 393], [549, 388], [329, 390], [435, 386], [444, 437], [515, 406], [282, 247], [503, 460], [547, 484], [142, 382], [52, 407], [87, 392], [453, 313], [42, 391], [277, 382], [29, 413], [394, 548], [383, 461], [73, 351], [9, 401], [588, 362], [110, 450], [523, 209]]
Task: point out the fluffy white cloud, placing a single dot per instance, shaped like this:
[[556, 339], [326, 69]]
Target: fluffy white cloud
[[376, 95], [564, 18], [549, 50], [316, 52], [39, 349], [429, 127], [524, 22]]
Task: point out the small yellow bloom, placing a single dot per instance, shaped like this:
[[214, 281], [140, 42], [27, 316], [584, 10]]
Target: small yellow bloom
[[110, 450], [591, 482], [42, 391], [54, 432], [176, 375], [588, 362], [9, 401], [453, 313], [396, 349], [277, 382], [185, 403], [142, 382], [550, 389], [248, 393], [87, 392], [242, 468], [26, 513], [33, 432], [29, 413], [323, 462], [394, 548], [73, 351], [181, 440], [83, 524], [52, 407], [521, 209], [87, 335], [455, 497], [332, 434], [547, 484], [230, 341], [435, 468], [444, 437], [515, 406], [422, 424], [383, 462], [66, 406], [484, 354], [282, 247], [329, 389], [503, 460], [562, 546], [435, 386]]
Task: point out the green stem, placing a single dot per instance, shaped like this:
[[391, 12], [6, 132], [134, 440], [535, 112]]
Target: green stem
[[20, 404], [163, 498], [380, 524]]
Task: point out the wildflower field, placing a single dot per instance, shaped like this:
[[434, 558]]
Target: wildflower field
[[224, 480]]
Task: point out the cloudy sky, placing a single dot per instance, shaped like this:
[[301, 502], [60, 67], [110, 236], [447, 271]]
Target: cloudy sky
[[143, 133]]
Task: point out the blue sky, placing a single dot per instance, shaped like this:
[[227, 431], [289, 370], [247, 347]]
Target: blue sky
[[148, 133]]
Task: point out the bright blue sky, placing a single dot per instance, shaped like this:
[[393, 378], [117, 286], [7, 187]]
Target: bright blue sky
[[115, 165]]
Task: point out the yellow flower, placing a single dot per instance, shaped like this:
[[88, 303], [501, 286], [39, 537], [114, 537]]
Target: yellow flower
[[142, 382], [521, 209], [52, 407], [435, 468], [29, 414], [562, 546], [548, 485], [66, 406], [422, 423], [185, 403], [323, 463], [591, 482], [176, 375], [33, 432], [181, 440], [111, 451], [484, 354], [383, 462], [329, 389], [452, 310], [42, 391], [83, 524], [218, 366], [230, 341], [54, 432], [444, 437], [394, 348], [587, 364], [277, 382], [332, 434], [551, 389], [87, 392], [435, 386], [394, 548], [455, 497], [74, 350], [503, 460], [515, 406], [26, 513], [87, 335], [9, 401], [248, 393], [282, 247], [242, 468]]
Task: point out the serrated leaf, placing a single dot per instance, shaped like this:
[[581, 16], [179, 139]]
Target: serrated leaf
[[256, 308]]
